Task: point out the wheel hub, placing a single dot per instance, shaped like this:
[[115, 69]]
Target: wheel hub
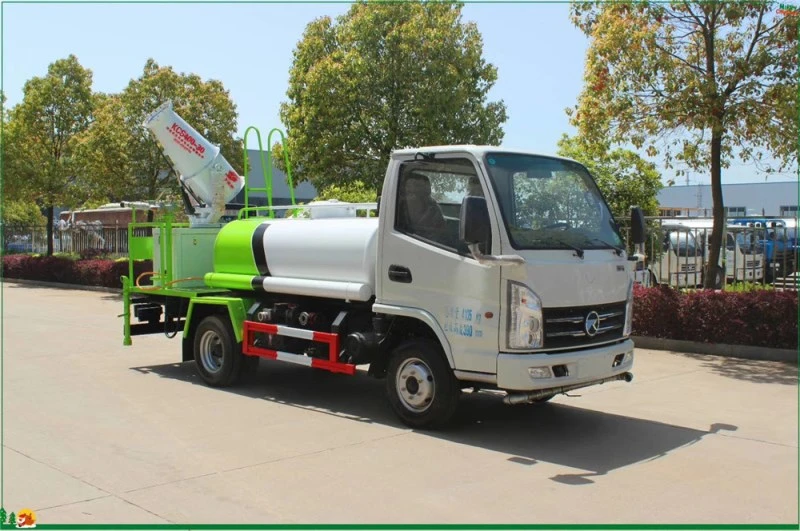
[[415, 385], [211, 351]]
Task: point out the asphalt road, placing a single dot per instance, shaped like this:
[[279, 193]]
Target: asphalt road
[[94, 432]]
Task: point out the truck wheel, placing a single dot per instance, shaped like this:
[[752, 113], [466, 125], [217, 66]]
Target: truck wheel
[[420, 385], [217, 355]]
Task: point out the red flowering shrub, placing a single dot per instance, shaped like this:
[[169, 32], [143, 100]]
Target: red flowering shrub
[[655, 311], [105, 273], [763, 318], [90, 253]]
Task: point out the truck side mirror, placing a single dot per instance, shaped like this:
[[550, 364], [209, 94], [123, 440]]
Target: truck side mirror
[[474, 225], [637, 225]]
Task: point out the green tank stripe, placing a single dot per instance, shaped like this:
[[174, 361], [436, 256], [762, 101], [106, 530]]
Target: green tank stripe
[[233, 250], [229, 281]]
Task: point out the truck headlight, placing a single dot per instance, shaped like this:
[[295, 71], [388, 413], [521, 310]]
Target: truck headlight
[[524, 317], [628, 312]]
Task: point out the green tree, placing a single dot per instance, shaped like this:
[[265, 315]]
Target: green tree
[[101, 150], [351, 192], [701, 82], [42, 132], [385, 76], [624, 178], [123, 157], [22, 212], [12, 519], [2, 510]]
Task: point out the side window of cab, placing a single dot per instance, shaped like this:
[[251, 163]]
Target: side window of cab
[[429, 200]]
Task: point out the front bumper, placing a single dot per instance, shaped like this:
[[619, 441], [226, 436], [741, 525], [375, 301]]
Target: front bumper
[[580, 367], [749, 273], [686, 280]]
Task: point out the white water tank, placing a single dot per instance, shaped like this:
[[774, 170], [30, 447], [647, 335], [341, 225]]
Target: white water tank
[[337, 249]]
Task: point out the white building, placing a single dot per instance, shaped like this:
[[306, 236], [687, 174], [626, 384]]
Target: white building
[[749, 199]]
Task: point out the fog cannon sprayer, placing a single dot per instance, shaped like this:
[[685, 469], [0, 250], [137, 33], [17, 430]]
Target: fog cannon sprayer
[[204, 172]]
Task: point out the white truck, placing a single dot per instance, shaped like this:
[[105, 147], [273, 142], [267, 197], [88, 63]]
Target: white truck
[[484, 269], [685, 249], [744, 258]]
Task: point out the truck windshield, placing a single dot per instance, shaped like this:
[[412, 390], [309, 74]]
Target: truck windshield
[[550, 203], [683, 243]]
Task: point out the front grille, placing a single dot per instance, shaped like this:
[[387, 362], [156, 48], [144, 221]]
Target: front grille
[[566, 327], [753, 263]]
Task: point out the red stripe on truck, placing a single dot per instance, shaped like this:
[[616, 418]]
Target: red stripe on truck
[[332, 364]]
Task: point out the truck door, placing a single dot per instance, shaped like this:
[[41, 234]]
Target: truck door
[[424, 266]]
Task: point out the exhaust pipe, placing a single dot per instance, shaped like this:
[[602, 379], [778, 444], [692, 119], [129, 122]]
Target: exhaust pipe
[[523, 398]]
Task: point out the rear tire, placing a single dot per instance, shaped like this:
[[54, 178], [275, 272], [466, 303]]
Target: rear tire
[[217, 355], [420, 386]]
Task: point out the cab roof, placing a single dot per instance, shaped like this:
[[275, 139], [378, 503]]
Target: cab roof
[[477, 151]]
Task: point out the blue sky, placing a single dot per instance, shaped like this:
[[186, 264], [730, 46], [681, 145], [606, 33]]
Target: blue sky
[[538, 52]]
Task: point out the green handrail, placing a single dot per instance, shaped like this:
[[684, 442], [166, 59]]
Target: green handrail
[[285, 161], [266, 168]]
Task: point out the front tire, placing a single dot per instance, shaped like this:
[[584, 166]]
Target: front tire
[[217, 354], [420, 385]]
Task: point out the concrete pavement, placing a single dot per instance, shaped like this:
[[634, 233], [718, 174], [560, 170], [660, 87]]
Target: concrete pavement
[[95, 432]]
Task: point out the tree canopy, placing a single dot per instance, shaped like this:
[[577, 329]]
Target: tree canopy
[[385, 76], [124, 158], [41, 137], [697, 83], [22, 213], [624, 177]]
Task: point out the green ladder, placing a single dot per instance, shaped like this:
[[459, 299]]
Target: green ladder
[[266, 168]]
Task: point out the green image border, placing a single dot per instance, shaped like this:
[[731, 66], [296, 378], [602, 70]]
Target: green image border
[[328, 527]]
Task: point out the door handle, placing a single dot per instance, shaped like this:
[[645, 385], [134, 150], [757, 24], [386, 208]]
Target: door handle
[[400, 274]]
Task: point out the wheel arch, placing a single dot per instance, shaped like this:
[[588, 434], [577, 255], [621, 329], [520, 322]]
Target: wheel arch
[[413, 321], [235, 309]]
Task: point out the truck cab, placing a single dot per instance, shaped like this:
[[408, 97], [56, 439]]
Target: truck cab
[[777, 242], [515, 263], [680, 262]]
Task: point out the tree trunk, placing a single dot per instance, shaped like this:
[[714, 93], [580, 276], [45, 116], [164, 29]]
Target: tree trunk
[[715, 243], [50, 216]]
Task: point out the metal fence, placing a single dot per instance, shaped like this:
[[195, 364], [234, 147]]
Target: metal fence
[[88, 240]]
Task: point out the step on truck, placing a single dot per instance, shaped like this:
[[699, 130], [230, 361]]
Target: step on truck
[[478, 268]]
